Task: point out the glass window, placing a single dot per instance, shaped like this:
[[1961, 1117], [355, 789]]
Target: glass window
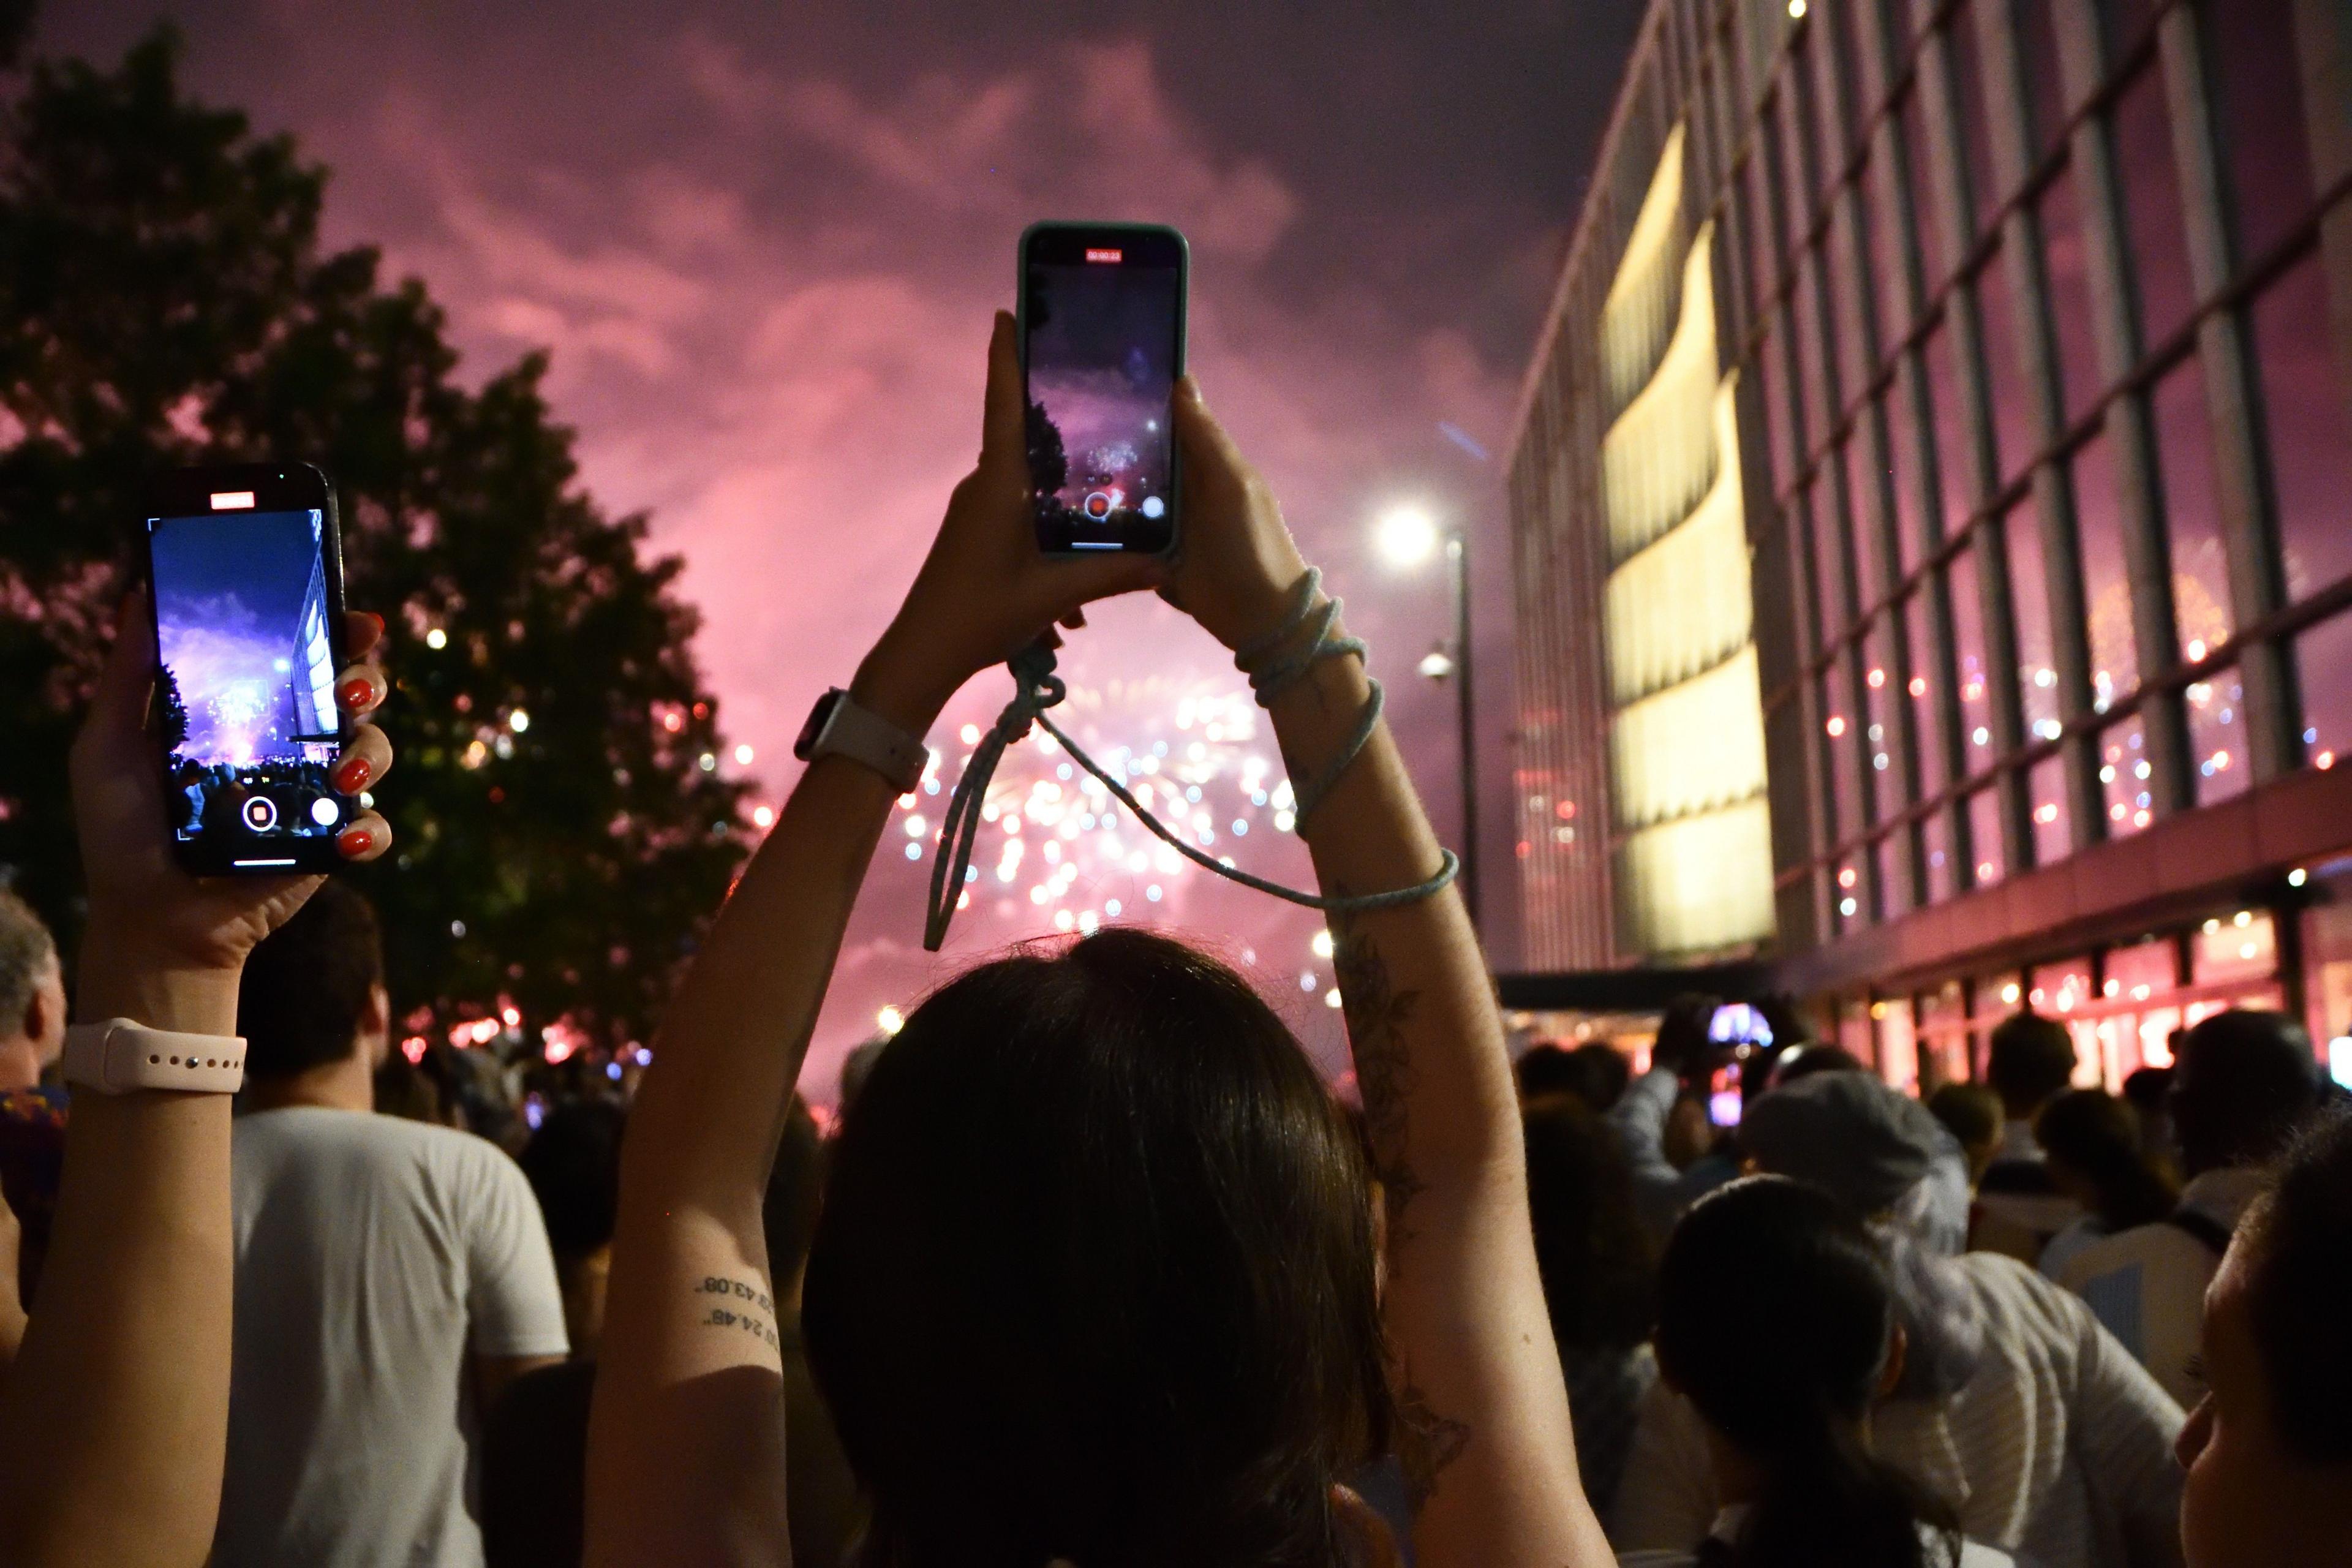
[[1763, 227], [1840, 54], [2125, 22], [1943, 1033], [1894, 874], [2058, 987], [2239, 946], [1926, 675], [2037, 43], [1968, 644], [2160, 238], [2125, 774], [1813, 352], [1935, 835], [1886, 251], [2037, 675], [1829, 557], [2302, 405], [2107, 580], [2053, 828], [2012, 410], [2263, 138], [2070, 292], [1779, 414], [1935, 257], [1864, 493], [1984, 828], [2217, 735], [2324, 657], [1882, 699], [1845, 728], [2192, 505], [1975, 114], [1916, 534], [1849, 895], [1853, 364], [1899, 1062], [1955, 465]]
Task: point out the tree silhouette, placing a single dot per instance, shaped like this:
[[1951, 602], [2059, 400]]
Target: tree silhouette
[[164, 299], [1049, 465], [171, 714]]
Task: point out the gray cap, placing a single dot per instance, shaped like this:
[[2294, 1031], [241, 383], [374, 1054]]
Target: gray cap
[[1845, 1133]]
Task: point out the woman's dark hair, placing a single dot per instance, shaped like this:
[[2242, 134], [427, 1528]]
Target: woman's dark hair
[[1094, 1275], [1599, 1271], [1772, 1262], [2301, 1279], [573, 1165], [2095, 1135]]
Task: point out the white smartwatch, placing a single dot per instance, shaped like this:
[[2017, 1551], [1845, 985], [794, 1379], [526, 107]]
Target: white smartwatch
[[837, 726], [119, 1056]]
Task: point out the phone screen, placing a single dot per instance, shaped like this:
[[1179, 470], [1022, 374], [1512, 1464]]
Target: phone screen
[[247, 600], [1102, 343]]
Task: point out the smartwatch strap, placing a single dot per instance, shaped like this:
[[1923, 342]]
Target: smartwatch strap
[[862, 735], [119, 1056]]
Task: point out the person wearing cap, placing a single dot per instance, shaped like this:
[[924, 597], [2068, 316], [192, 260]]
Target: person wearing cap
[[2013, 1403], [2244, 1082]]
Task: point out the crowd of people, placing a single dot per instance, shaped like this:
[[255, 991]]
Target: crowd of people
[[1094, 1269]]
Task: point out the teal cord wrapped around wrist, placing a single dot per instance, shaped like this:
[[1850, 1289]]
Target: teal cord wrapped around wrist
[[1036, 688]]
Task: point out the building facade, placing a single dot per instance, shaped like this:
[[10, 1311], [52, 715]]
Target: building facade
[[1975, 631]]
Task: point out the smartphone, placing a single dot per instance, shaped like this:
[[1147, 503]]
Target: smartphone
[[1102, 343], [1724, 1096], [1739, 1024], [247, 571]]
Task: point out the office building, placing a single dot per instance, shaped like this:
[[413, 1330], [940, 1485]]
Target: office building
[[1932, 508]]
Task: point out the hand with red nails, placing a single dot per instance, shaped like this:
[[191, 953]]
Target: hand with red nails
[[141, 901], [986, 591]]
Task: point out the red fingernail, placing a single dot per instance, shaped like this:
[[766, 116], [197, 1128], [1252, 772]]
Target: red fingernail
[[377, 619], [355, 841], [353, 776], [355, 691]]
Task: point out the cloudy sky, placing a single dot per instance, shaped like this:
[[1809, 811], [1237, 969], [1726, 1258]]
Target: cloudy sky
[[763, 242]]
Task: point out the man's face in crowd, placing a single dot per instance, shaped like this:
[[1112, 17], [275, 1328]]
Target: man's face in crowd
[[2248, 1499]]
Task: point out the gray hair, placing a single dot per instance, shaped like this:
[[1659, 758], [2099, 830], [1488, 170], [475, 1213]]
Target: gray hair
[[27, 950]]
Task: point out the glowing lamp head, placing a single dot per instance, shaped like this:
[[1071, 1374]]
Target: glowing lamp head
[[1405, 536], [890, 1020]]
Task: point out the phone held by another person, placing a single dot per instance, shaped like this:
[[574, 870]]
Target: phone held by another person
[[1101, 317], [248, 572]]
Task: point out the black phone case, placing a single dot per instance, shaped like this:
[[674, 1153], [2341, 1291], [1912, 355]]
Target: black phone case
[[1183, 301], [184, 492]]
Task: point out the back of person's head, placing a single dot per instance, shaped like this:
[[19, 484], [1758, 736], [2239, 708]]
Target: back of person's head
[[2268, 1451], [2244, 1082], [1772, 1262], [1605, 1073], [1970, 1113], [1682, 1046], [796, 1188], [574, 1163], [2147, 1090], [1592, 1247], [854, 1067], [1094, 1274], [29, 955], [2095, 1136], [1806, 1059], [309, 988], [2302, 1289], [1545, 1069], [2031, 1060]]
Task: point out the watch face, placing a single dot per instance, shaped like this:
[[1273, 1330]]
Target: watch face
[[810, 730]]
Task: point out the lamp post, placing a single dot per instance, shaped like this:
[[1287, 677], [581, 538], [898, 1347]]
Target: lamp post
[[1406, 536]]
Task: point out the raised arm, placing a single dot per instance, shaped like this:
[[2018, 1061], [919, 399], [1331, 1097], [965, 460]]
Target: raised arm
[[690, 1372], [1487, 1445], [114, 1421]]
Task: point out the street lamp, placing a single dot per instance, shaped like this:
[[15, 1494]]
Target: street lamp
[[1406, 536]]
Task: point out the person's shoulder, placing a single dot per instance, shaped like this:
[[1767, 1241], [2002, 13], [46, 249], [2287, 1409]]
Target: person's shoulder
[[2017, 1296]]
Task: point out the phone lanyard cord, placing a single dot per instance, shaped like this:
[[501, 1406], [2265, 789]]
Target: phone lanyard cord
[[1037, 688]]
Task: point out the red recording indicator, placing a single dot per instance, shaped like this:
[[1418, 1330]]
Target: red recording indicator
[[232, 501], [1094, 255]]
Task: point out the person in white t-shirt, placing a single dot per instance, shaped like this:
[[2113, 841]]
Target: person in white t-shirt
[[392, 1277], [1788, 1428]]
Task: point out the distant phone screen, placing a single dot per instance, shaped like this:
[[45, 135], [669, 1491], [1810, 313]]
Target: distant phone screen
[[246, 698], [1102, 322], [1738, 1024], [1723, 1097]]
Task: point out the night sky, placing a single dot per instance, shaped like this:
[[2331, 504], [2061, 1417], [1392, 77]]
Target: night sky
[[763, 243]]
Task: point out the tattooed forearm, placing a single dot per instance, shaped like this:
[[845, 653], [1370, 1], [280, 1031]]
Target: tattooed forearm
[[743, 1295], [1426, 1442], [1377, 1013]]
